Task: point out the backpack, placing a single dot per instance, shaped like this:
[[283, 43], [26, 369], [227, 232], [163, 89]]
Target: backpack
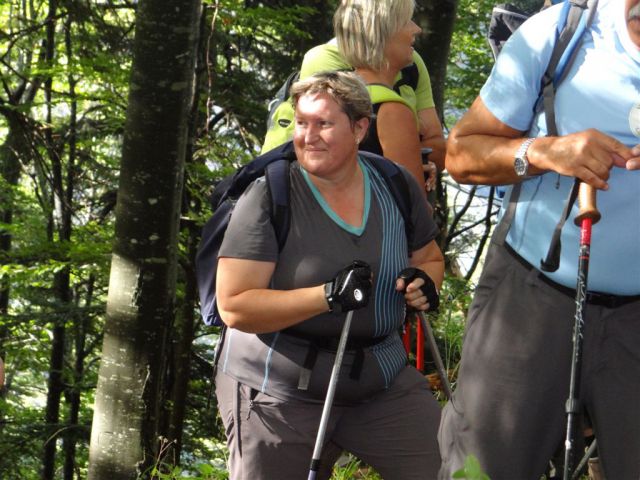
[[380, 94], [280, 117], [274, 166], [575, 18]]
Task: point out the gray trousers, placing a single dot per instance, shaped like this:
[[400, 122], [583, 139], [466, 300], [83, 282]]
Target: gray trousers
[[272, 439], [509, 406]]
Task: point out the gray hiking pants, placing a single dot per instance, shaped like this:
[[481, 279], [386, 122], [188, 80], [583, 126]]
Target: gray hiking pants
[[509, 405], [272, 439]]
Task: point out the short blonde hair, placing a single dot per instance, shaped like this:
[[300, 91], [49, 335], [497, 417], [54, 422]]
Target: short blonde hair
[[346, 88], [363, 28]]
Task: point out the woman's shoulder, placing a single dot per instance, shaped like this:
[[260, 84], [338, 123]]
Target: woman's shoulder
[[380, 93], [392, 109], [322, 58]]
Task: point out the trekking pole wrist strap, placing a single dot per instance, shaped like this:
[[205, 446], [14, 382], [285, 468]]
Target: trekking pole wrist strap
[[328, 296]]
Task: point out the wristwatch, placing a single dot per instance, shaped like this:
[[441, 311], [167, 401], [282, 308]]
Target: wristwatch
[[521, 162]]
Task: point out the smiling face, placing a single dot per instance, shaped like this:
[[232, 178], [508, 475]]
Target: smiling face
[[399, 48], [325, 140], [632, 16]]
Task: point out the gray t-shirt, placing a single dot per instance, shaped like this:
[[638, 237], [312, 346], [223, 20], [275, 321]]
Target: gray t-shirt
[[318, 245]]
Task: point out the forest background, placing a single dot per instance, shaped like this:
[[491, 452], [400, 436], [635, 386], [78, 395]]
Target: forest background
[[116, 119]]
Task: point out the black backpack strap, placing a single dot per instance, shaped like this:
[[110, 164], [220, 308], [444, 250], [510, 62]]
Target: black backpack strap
[[502, 229], [558, 63], [397, 184], [279, 187], [552, 261], [254, 169], [409, 75], [569, 37]]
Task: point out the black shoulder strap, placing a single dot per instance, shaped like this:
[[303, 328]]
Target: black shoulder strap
[[559, 63], [409, 75], [275, 166], [397, 184], [279, 187]]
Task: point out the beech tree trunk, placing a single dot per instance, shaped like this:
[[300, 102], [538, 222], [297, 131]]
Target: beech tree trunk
[[140, 302], [437, 19]]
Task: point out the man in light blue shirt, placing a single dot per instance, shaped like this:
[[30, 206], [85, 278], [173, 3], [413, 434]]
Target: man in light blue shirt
[[508, 409]]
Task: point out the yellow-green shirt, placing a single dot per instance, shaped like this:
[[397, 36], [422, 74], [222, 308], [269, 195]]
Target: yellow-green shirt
[[327, 58]]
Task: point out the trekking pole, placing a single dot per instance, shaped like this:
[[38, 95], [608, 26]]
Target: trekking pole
[[435, 352], [328, 401], [408, 275], [420, 335], [587, 216], [582, 466]]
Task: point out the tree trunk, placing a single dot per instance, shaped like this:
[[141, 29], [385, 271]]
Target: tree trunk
[[73, 396], [436, 18], [142, 285], [61, 279], [10, 171], [181, 358], [55, 382]]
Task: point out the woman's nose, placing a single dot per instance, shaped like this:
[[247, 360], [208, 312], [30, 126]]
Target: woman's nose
[[311, 133], [416, 28]]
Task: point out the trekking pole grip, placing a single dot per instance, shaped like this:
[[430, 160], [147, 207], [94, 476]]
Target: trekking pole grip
[[587, 204]]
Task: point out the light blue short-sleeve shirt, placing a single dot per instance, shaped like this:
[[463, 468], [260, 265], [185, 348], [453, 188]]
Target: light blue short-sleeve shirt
[[601, 91]]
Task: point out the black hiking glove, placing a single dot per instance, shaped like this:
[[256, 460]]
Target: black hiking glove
[[428, 288], [350, 289]]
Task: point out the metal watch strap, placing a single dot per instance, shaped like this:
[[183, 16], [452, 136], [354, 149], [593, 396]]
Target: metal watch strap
[[521, 156]]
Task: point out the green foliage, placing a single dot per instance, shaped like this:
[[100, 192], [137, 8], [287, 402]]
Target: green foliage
[[354, 469], [70, 165], [449, 325], [471, 470], [254, 52], [204, 471], [470, 60]]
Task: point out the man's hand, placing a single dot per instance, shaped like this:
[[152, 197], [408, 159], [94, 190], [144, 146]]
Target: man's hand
[[634, 162], [588, 155], [481, 150]]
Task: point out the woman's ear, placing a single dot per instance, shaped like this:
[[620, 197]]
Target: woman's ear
[[360, 128]]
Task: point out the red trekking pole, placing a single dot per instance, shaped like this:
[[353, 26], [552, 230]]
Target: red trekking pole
[[587, 216]]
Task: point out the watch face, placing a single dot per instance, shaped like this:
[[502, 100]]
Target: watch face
[[521, 166]]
